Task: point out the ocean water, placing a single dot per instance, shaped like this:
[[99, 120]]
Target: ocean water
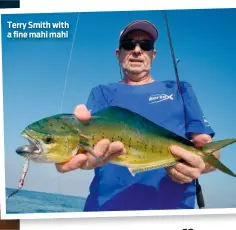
[[25, 202]]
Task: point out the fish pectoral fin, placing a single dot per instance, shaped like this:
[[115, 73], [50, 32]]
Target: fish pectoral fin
[[86, 147], [86, 137]]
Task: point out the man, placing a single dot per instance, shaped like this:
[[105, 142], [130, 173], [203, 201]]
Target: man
[[113, 187]]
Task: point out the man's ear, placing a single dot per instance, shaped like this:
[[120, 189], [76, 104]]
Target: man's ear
[[154, 54], [118, 54]]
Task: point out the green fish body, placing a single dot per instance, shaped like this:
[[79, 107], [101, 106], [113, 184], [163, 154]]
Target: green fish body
[[58, 138]]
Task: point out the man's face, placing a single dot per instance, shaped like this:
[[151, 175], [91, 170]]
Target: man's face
[[136, 62]]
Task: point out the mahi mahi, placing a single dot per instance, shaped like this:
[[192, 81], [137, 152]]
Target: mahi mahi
[[56, 139]]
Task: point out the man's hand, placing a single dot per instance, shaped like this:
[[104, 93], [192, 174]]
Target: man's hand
[[103, 149], [194, 165]]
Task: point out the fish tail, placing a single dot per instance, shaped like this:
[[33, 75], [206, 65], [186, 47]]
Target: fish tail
[[212, 147]]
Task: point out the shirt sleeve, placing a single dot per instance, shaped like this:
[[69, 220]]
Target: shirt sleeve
[[195, 120], [96, 100]]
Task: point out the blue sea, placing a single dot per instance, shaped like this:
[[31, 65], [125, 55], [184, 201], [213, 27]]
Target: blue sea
[[25, 202]]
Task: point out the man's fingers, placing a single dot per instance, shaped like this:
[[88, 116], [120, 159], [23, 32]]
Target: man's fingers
[[103, 149], [76, 162], [193, 173], [82, 113], [115, 149], [100, 150], [190, 158], [200, 140], [177, 176]]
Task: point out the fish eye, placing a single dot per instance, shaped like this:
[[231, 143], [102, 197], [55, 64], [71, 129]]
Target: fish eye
[[48, 139]]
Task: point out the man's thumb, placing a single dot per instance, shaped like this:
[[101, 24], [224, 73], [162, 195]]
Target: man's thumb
[[200, 140]]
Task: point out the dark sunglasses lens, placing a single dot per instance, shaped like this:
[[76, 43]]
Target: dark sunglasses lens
[[145, 45], [128, 45]]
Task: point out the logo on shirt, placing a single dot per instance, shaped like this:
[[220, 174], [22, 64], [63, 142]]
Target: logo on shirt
[[205, 121], [159, 97]]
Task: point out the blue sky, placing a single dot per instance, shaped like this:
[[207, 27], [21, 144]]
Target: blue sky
[[34, 73]]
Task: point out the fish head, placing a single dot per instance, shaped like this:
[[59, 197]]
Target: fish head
[[51, 140]]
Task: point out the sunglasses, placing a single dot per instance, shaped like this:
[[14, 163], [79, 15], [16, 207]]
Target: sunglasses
[[145, 45]]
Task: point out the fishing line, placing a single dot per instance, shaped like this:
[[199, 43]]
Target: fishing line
[[66, 79], [199, 194], [68, 66], [27, 162]]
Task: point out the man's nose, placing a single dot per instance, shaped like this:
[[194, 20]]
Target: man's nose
[[137, 49]]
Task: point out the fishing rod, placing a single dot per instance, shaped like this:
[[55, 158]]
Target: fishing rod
[[199, 193]]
